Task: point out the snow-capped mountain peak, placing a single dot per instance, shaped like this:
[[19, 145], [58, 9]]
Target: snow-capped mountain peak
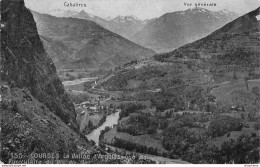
[[133, 17], [84, 15], [224, 11], [198, 9], [130, 18], [62, 13], [108, 18], [82, 12]]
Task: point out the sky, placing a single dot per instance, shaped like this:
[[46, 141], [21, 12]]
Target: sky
[[143, 9]]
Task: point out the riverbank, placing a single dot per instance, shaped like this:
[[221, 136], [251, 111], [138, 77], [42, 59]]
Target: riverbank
[[79, 81], [111, 120]]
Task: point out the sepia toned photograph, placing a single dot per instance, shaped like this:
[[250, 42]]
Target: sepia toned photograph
[[130, 82]]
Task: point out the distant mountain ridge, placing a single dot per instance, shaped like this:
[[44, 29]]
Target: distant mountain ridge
[[62, 13], [125, 26], [175, 29], [162, 34], [77, 43], [231, 52], [242, 33]]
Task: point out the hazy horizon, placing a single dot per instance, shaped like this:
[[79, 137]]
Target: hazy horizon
[[143, 9]]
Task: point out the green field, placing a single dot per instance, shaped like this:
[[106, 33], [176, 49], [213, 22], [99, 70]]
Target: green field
[[78, 87], [144, 140], [224, 91]]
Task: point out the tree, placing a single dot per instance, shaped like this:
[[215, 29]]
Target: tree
[[221, 125], [67, 75], [256, 91], [90, 125]]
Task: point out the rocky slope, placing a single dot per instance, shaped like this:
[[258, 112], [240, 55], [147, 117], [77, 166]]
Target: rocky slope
[[36, 115], [173, 30], [29, 128], [26, 64], [77, 43]]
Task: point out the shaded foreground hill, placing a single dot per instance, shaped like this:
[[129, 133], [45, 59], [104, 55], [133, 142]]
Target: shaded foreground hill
[[36, 115]]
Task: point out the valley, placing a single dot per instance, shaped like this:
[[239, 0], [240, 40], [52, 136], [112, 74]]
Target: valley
[[178, 89], [187, 102], [111, 121], [142, 106]]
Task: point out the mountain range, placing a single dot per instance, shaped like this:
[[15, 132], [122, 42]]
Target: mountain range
[[162, 34], [77, 43], [241, 35], [38, 121], [173, 30], [227, 54], [231, 52], [125, 26], [62, 13]]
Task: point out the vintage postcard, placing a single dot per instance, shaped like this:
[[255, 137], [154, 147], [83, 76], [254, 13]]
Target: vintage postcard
[[130, 82]]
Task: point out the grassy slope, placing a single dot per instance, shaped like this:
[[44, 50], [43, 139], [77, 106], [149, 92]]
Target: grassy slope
[[224, 91], [145, 140]]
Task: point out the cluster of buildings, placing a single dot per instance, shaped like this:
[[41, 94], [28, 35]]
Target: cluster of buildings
[[93, 107]]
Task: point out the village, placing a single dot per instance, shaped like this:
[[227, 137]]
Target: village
[[93, 112], [94, 106]]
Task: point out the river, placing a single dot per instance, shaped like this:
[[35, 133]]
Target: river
[[79, 81], [111, 120]]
